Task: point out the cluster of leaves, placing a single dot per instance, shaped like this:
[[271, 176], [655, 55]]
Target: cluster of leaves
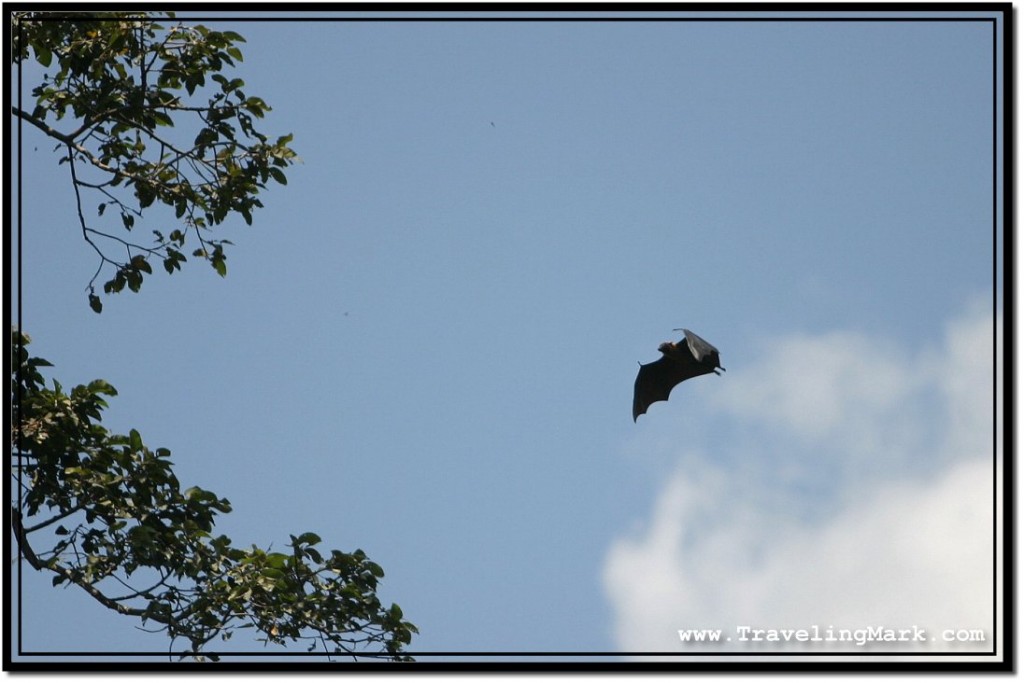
[[123, 81], [104, 512]]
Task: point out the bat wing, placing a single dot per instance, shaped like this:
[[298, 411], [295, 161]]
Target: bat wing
[[655, 381], [700, 348]]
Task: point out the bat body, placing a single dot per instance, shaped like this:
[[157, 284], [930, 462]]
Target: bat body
[[690, 357]]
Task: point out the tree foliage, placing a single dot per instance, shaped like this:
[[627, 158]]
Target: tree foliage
[[104, 512], [143, 116]]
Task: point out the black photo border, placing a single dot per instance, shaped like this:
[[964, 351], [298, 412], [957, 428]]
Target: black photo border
[[1003, 170]]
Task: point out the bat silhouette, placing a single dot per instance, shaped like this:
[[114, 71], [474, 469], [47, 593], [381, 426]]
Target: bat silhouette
[[691, 357]]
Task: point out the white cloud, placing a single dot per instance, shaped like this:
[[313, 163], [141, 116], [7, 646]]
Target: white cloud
[[901, 535], [811, 384]]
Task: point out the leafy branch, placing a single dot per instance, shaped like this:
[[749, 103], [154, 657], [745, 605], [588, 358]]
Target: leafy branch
[[105, 513], [125, 83]]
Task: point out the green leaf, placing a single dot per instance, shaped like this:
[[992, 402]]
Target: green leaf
[[95, 303], [221, 266], [162, 119], [198, 494], [308, 538], [276, 562], [205, 137], [134, 280], [101, 386], [279, 175], [115, 285], [256, 106], [145, 194], [135, 440], [43, 54], [140, 263]]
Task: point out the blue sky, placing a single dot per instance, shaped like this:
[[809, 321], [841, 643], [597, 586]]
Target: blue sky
[[426, 343]]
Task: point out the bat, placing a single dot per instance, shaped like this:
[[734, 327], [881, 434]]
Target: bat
[[691, 357]]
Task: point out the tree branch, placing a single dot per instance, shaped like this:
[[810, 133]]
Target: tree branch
[[23, 544], [41, 125], [55, 518], [26, 550]]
